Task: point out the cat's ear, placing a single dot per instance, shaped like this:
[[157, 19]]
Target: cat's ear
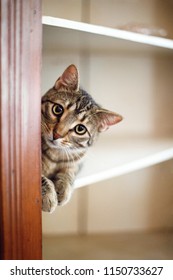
[[107, 118], [69, 79]]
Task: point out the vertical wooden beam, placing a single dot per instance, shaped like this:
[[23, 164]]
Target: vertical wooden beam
[[20, 68]]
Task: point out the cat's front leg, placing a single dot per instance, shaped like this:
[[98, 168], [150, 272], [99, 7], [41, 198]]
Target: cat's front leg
[[64, 187], [49, 196]]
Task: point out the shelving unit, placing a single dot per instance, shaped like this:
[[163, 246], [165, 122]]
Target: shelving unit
[[126, 181], [137, 152]]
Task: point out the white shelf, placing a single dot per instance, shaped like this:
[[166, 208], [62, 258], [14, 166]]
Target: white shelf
[[89, 30], [111, 158]]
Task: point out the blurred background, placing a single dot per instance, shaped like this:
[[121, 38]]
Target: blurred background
[[130, 216]]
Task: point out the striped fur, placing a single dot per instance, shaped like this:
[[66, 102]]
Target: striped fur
[[71, 122]]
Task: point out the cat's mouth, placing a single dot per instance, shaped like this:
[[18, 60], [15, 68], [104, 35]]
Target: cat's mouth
[[52, 144], [58, 144]]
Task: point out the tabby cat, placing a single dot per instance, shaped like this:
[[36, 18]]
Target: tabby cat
[[71, 121]]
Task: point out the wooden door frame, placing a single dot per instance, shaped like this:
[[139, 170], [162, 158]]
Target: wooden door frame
[[20, 71]]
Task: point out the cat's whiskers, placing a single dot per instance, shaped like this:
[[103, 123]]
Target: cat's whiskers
[[76, 153], [70, 157]]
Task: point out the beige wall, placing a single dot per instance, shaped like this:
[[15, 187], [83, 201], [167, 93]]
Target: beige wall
[[113, 13]]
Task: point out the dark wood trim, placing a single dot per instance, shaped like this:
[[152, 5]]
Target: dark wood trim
[[20, 68]]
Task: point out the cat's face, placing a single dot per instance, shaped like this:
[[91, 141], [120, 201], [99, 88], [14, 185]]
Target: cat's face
[[70, 117]]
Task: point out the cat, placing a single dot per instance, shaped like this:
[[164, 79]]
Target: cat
[[70, 123]]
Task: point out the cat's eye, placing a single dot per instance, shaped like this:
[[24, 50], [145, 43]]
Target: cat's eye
[[80, 129], [58, 110]]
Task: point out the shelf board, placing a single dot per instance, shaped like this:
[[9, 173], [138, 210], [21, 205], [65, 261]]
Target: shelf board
[[89, 30], [111, 158]]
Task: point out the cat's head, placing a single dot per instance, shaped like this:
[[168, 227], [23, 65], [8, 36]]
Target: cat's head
[[70, 117]]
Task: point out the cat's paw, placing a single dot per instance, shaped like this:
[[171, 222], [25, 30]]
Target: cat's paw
[[49, 196], [64, 192]]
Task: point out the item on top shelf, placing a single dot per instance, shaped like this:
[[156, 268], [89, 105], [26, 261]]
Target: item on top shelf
[[144, 29]]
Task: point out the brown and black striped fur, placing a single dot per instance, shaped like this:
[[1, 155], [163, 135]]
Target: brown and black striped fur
[[71, 122]]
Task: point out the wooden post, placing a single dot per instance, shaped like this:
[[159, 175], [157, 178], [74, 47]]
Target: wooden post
[[20, 69]]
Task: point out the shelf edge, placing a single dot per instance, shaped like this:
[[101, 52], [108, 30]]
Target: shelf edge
[[125, 168], [107, 31]]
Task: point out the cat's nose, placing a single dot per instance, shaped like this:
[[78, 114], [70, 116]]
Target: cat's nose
[[56, 135]]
